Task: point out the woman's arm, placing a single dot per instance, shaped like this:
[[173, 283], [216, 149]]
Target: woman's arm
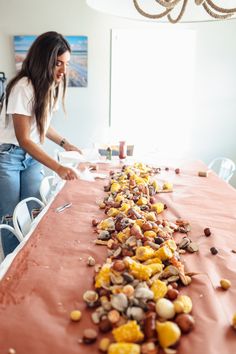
[[22, 131], [58, 139]]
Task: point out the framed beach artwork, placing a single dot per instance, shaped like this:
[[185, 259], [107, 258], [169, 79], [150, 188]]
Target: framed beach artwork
[[78, 62]]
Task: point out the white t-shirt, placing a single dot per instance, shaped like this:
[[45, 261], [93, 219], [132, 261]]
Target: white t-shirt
[[20, 101]]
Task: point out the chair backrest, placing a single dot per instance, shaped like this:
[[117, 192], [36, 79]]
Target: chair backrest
[[12, 230], [224, 167], [47, 188], [22, 218], [9, 228]]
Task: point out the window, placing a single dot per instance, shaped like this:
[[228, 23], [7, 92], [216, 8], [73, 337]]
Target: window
[[152, 88]]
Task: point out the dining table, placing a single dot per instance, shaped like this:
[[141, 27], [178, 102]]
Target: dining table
[[46, 277]]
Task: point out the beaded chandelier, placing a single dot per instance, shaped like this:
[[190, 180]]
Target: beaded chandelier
[[168, 10]]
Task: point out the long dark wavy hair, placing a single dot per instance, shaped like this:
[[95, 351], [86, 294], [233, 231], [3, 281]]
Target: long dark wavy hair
[[38, 67]]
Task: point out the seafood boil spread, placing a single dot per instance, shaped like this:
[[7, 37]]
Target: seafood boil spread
[[141, 262]]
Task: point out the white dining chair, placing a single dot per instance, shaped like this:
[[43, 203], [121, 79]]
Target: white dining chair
[[224, 167], [12, 230], [23, 218], [48, 188]]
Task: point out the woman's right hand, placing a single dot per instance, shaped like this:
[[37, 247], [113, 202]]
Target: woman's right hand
[[67, 173]]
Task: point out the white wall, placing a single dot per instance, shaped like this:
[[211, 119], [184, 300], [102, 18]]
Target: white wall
[[88, 108]]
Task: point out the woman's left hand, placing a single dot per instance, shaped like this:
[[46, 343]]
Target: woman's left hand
[[69, 147], [57, 139]]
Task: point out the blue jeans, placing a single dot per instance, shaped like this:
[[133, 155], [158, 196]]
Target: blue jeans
[[20, 177]]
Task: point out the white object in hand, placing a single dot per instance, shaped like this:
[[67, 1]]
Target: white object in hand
[[63, 207]]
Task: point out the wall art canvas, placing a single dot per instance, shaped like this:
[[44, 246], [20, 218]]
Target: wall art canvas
[[78, 62]]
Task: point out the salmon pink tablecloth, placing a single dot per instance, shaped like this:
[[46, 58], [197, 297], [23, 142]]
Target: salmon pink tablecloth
[[49, 275]]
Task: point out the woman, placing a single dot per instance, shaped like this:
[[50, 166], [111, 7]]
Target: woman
[[31, 97]]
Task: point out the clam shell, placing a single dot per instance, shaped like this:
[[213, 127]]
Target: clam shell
[[169, 271], [131, 241], [117, 252], [184, 242], [104, 235], [135, 313], [91, 261], [185, 279], [135, 283], [170, 351], [139, 243], [116, 279], [100, 311], [119, 302], [172, 279], [192, 247], [90, 297], [154, 245], [128, 277], [142, 304], [143, 293], [142, 284], [106, 305], [95, 317], [154, 277]]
